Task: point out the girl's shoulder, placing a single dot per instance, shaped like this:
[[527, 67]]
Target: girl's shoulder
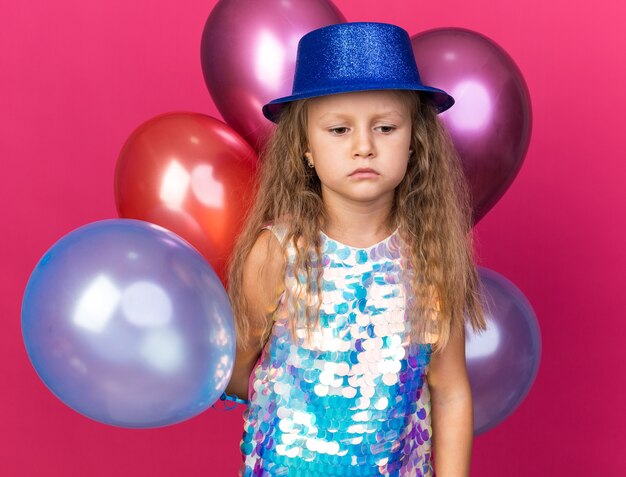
[[278, 229], [267, 251]]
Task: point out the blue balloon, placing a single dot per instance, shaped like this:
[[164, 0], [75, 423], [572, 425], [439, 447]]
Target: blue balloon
[[502, 362], [127, 324]]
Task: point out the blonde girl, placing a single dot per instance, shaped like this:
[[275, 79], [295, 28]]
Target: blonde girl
[[354, 276]]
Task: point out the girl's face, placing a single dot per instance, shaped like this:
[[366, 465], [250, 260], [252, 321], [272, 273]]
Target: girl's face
[[359, 144]]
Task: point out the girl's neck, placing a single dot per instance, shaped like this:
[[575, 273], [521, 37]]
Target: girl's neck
[[358, 226]]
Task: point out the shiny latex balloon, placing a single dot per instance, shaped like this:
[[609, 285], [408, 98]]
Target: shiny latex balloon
[[502, 361], [191, 174], [248, 54], [127, 324], [490, 122]]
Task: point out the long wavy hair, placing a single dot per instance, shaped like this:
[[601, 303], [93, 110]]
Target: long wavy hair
[[431, 208]]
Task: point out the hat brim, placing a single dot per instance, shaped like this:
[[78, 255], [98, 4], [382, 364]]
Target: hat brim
[[440, 98]]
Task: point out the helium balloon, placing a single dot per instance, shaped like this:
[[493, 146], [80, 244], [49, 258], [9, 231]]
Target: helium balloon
[[191, 174], [248, 54], [490, 122], [502, 362], [127, 324]]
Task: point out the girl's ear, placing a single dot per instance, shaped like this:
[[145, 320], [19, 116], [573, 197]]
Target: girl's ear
[[309, 158]]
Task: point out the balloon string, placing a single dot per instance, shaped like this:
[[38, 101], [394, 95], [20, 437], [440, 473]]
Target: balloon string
[[226, 397]]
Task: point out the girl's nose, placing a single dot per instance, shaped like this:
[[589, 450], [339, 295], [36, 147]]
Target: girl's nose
[[363, 144]]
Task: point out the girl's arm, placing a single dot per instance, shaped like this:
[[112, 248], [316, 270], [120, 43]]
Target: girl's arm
[[262, 286], [451, 408]]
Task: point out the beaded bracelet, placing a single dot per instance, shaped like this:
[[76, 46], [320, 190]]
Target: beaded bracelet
[[235, 399], [227, 397]]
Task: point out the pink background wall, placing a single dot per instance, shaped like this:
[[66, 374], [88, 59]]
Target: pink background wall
[[77, 77]]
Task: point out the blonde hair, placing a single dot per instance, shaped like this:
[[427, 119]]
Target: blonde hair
[[431, 208]]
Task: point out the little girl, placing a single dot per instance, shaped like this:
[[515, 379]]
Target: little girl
[[354, 273]]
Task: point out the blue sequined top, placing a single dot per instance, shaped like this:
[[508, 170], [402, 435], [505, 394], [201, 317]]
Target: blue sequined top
[[352, 399]]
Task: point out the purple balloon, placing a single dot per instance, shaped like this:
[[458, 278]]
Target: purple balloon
[[248, 54], [490, 123], [502, 362], [127, 324]]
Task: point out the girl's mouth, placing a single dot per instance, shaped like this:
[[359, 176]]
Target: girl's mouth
[[364, 173]]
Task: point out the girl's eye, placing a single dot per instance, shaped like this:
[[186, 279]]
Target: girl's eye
[[339, 131], [386, 129]]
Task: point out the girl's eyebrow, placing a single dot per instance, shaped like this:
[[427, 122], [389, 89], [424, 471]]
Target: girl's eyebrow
[[337, 115]]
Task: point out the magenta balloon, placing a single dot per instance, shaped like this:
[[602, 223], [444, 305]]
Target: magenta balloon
[[248, 54], [490, 123], [502, 362], [127, 324]]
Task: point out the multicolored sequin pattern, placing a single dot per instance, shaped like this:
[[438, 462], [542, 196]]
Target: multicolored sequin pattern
[[352, 398]]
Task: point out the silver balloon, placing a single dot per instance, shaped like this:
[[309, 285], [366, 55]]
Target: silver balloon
[[127, 324], [502, 362]]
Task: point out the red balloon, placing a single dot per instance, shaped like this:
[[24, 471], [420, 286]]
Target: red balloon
[[248, 54], [490, 122], [191, 174]]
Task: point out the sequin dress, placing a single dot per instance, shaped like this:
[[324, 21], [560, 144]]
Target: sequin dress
[[353, 399]]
